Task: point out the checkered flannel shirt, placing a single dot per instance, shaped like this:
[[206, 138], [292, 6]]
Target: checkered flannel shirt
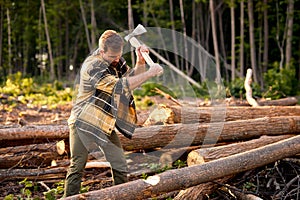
[[104, 101]]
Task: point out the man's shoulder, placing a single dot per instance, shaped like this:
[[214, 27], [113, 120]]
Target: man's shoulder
[[92, 63]]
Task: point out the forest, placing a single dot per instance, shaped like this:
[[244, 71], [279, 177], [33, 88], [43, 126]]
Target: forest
[[48, 40], [221, 122]]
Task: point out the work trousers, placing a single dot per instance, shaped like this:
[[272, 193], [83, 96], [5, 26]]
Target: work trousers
[[80, 144]]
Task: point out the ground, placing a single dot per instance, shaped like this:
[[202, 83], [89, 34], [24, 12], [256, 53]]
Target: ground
[[278, 180]]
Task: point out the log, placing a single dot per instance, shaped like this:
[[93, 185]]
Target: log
[[45, 173], [181, 135], [35, 155], [200, 156], [190, 176], [178, 135], [288, 101], [32, 135], [207, 114]]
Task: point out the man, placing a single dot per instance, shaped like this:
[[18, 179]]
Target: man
[[104, 105]]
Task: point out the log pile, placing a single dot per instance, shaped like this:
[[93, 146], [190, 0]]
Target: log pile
[[216, 142]]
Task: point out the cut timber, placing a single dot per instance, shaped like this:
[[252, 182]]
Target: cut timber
[[162, 114], [247, 85], [208, 114], [179, 135], [190, 176], [288, 101], [31, 155], [201, 191], [44, 173], [32, 135], [203, 155]]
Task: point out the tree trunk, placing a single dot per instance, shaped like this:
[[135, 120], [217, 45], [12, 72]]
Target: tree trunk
[[290, 19], [94, 26], [266, 38], [190, 176], [131, 27], [232, 7], [174, 33], [170, 136], [52, 70], [87, 34], [215, 40], [1, 35], [242, 39], [204, 155], [252, 41], [185, 48], [9, 42]]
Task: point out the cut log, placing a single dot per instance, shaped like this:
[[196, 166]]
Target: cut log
[[35, 155], [207, 114], [182, 135], [178, 135], [203, 155], [32, 135], [201, 191], [288, 101], [44, 173], [190, 176]]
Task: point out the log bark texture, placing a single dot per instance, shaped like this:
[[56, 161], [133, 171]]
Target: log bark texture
[[190, 176], [175, 135], [208, 114], [200, 156]]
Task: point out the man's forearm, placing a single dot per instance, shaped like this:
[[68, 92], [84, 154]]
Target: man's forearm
[[139, 68], [137, 80]]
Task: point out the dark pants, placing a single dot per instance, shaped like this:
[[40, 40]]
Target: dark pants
[[79, 148]]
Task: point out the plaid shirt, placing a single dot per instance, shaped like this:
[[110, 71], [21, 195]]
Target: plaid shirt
[[104, 101]]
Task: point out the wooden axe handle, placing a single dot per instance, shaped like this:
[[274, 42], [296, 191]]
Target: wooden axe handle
[[135, 43]]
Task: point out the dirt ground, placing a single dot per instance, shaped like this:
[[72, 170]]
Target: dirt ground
[[278, 180]]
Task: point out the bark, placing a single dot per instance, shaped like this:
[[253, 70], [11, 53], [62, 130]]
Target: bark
[[232, 7], [170, 136], [173, 33], [252, 41], [189, 115], [52, 71], [31, 155], [87, 34], [204, 155], [190, 176], [266, 38], [242, 39], [290, 21], [215, 40], [201, 191], [9, 41]]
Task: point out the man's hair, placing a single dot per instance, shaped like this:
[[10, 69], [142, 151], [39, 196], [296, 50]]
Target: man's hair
[[110, 39]]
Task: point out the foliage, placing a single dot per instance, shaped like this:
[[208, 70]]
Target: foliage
[[280, 83], [27, 91], [236, 89]]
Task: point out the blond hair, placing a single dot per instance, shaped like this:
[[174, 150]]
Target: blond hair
[[110, 39]]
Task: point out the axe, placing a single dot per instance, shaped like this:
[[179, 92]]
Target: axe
[[140, 29]]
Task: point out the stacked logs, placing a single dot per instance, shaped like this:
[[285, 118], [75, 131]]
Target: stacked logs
[[219, 141]]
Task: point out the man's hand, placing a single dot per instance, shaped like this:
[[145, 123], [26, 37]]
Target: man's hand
[[155, 70], [138, 51]]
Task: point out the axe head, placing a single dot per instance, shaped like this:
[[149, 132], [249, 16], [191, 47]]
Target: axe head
[[140, 29]]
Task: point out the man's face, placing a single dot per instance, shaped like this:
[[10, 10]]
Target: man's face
[[111, 57]]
